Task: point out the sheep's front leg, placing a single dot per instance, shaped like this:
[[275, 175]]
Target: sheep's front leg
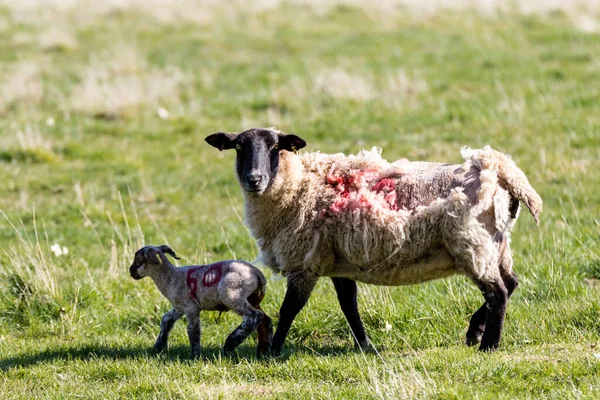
[[346, 293], [166, 324], [477, 325], [194, 332], [297, 294]]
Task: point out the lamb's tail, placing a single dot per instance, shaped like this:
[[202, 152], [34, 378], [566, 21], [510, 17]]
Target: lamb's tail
[[258, 295], [509, 175]]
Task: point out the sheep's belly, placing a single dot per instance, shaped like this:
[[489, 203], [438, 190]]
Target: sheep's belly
[[435, 266]]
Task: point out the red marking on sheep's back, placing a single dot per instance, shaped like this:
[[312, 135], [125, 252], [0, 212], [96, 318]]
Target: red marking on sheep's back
[[360, 190], [387, 186]]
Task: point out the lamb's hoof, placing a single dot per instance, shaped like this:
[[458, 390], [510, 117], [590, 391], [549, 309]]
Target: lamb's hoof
[[263, 353], [159, 348], [196, 353], [227, 352]]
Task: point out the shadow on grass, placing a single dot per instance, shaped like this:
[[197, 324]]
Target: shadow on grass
[[174, 354], [329, 351], [91, 352]]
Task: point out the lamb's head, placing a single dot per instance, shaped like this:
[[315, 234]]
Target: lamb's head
[[258, 153], [148, 258]]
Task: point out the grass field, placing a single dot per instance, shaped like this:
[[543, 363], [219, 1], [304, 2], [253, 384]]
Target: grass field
[[104, 108]]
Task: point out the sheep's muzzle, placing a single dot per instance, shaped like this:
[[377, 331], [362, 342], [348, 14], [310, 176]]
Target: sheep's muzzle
[[133, 271]]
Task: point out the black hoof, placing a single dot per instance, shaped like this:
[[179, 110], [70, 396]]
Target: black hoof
[[159, 348], [365, 347], [488, 348], [227, 352], [275, 351], [473, 340]]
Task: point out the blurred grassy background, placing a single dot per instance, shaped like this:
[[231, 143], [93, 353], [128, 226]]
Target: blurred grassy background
[[104, 108]]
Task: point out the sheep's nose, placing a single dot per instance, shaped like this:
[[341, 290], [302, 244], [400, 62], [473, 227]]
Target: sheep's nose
[[254, 179]]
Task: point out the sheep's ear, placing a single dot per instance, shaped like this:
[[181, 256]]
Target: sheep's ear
[[167, 250], [221, 140], [152, 255], [291, 142]]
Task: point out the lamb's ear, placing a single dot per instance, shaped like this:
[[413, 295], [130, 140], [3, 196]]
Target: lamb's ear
[[152, 255], [167, 250], [291, 142], [221, 140]]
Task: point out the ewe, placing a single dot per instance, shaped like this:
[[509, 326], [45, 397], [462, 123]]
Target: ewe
[[361, 218]]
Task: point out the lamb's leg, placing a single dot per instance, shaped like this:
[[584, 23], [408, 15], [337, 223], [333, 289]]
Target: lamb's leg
[[265, 336], [297, 294], [193, 330], [166, 324], [346, 293], [251, 320], [264, 329]]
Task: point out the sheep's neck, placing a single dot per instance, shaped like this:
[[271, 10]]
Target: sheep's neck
[[162, 278]]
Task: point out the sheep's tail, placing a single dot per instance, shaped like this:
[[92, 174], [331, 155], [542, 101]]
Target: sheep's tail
[[508, 174]]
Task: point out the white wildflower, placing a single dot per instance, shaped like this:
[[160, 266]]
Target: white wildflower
[[59, 251], [162, 113], [50, 121], [388, 326]]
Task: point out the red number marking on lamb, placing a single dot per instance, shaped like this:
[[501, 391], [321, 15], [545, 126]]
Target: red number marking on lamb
[[212, 275], [192, 282]]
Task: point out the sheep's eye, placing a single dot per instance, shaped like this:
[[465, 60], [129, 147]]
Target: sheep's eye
[[275, 147], [237, 146]]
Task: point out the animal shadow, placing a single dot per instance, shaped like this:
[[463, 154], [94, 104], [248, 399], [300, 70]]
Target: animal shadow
[[94, 351]]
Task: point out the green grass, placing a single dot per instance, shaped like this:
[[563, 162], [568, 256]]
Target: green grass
[[87, 162]]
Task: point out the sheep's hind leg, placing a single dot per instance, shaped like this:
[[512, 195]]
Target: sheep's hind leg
[[477, 323], [496, 296], [166, 324], [346, 293], [298, 291], [252, 318]]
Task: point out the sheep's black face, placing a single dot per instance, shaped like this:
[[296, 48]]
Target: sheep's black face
[[144, 258], [257, 155], [138, 261]]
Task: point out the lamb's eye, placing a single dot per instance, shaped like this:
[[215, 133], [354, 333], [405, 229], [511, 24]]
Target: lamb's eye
[[275, 147], [238, 147]]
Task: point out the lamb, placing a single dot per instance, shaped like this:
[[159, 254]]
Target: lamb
[[226, 285], [361, 218]]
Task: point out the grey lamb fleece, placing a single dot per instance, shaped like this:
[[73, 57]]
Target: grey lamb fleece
[[226, 285]]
